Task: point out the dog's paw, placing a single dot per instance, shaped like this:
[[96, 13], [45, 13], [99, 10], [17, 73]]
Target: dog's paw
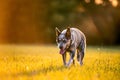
[[81, 63], [67, 65]]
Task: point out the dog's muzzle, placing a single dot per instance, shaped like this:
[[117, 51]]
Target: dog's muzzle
[[62, 51]]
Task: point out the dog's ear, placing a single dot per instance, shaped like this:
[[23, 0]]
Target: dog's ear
[[58, 32], [68, 33]]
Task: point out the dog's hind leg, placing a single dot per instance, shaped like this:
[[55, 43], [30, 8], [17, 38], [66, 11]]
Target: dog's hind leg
[[81, 52], [81, 58], [78, 55]]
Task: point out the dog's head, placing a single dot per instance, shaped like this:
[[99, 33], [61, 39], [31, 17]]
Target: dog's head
[[63, 39]]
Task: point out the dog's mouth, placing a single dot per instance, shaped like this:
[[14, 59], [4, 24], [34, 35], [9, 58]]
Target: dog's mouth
[[62, 51]]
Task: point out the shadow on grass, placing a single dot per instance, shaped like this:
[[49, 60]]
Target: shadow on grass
[[39, 71]]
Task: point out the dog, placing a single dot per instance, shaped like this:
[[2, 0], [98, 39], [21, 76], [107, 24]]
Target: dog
[[71, 40]]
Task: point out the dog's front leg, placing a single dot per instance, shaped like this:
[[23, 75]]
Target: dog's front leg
[[64, 58], [72, 54]]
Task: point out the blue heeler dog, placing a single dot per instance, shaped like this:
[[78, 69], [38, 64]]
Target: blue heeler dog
[[71, 40]]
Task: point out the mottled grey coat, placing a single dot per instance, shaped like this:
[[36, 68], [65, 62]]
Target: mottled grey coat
[[71, 40]]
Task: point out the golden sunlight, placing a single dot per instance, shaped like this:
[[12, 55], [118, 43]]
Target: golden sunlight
[[87, 1], [98, 2], [114, 3]]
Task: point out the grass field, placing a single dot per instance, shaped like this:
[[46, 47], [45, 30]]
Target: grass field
[[45, 63]]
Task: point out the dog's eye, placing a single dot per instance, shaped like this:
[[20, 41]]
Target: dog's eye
[[59, 40], [64, 40]]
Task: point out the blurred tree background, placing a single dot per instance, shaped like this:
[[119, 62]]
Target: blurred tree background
[[34, 21]]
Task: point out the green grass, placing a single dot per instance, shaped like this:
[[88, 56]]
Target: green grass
[[45, 63]]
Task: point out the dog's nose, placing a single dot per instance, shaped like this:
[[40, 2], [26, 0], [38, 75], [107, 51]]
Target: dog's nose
[[60, 47]]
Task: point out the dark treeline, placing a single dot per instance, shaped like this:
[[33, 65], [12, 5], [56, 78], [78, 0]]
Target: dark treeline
[[34, 21]]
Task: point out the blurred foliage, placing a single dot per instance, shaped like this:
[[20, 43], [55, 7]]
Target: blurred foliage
[[98, 20], [34, 21]]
